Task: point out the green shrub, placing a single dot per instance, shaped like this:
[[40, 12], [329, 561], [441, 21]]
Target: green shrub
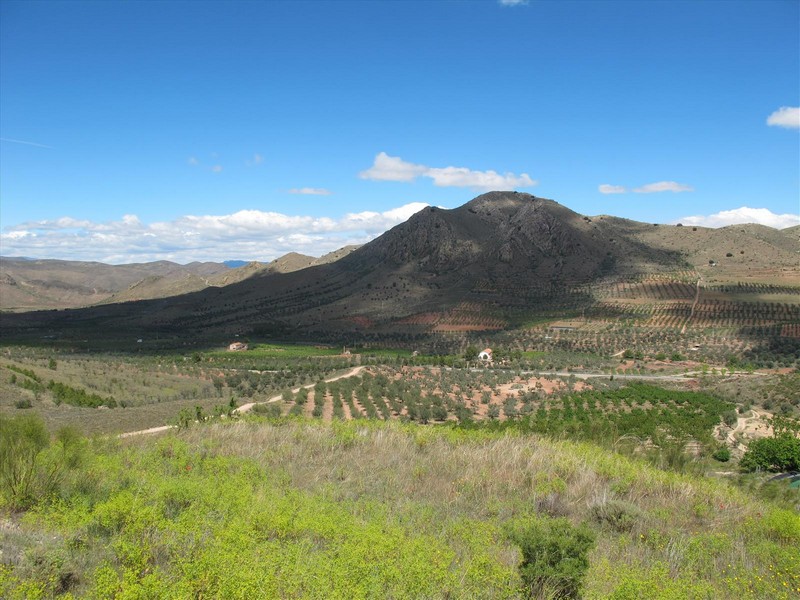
[[185, 418], [722, 454], [615, 514], [271, 410], [77, 397], [21, 440], [730, 417], [783, 525], [30, 468], [554, 557], [779, 453]]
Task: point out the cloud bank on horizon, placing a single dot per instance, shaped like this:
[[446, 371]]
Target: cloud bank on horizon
[[249, 234], [245, 234], [744, 214]]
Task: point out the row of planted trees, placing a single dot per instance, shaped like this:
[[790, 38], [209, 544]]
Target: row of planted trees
[[639, 410]]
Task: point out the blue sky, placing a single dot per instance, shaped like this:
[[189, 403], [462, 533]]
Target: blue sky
[[135, 131]]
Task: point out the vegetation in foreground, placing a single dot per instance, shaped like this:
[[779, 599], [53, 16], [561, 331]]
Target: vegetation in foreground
[[367, 509]]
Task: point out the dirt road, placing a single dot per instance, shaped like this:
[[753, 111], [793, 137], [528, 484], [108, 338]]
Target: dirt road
[[158, 429], [249, 406], [749, 425]]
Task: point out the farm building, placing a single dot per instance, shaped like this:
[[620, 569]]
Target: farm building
[[485, 355], [237, 347]]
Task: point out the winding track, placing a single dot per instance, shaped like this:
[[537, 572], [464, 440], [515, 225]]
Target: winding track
[[741, 426], [244, 408], [249, 406]]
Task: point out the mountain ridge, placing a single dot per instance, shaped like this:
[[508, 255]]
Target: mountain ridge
[[500, 259]]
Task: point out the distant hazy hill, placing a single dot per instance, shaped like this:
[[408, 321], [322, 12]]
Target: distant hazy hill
[[502, 258], [27, 284], [294, 261], [335, 255], [30, 284], [793, 232]]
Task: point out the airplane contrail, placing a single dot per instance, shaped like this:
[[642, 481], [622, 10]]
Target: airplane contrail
[[26, 143]]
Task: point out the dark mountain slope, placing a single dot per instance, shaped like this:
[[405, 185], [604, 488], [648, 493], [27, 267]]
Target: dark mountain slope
[[503, 256]]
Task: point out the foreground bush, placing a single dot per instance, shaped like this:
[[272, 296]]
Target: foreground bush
[[554, 557], [30, 468], [22, 439]]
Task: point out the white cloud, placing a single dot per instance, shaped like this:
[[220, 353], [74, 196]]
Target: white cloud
[[744, 214], [512, 2], [786, 116], [310, 191], [217, 168], [481, 180], [393, 168], [606, 188], [403, 213], [256, 160], [246, 234], [650, 188], [375, 222], [193, 161], [663, 186]]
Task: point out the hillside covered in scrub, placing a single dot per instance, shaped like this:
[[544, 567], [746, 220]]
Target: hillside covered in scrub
[[298, 508]]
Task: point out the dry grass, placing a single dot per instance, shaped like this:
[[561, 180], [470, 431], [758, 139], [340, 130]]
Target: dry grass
[[436, 478], [289, 500]]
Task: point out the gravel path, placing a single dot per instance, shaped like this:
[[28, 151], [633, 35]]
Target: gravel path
[[249, 406], [246, 407]]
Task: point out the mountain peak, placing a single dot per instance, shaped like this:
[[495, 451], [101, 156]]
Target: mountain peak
[[499, 200]]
